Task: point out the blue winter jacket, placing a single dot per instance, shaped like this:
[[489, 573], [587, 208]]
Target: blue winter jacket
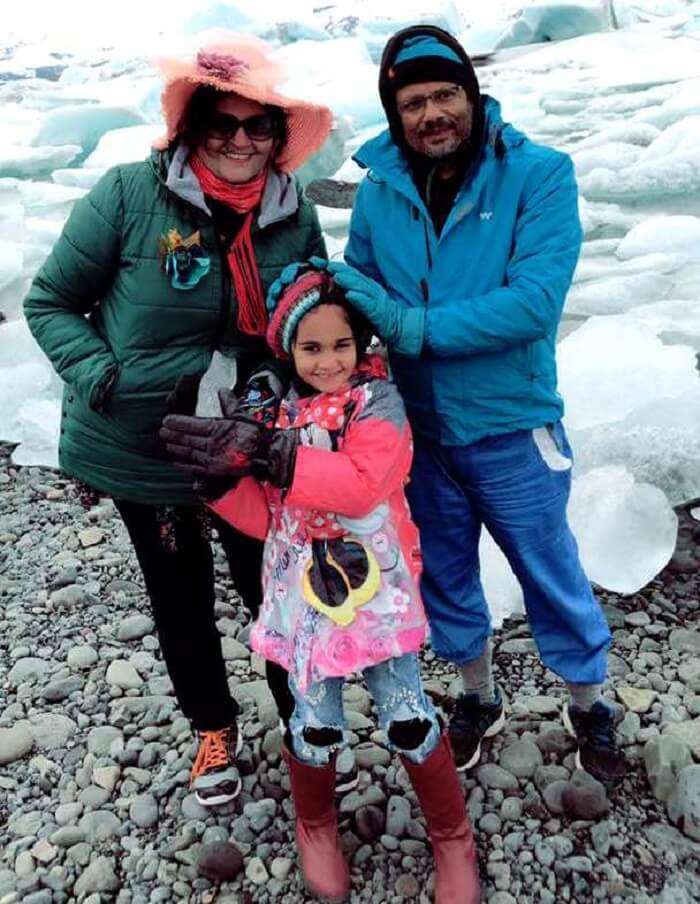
[[493, 284]]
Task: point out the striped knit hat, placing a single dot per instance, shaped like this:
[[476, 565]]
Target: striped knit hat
[[310, 289]]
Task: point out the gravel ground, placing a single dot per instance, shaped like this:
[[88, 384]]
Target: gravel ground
[[95, 756]]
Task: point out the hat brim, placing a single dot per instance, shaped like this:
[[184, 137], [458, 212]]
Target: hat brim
[[308, 124]]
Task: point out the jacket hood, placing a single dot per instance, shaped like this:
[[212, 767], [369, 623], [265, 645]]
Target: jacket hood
[[387, 93]]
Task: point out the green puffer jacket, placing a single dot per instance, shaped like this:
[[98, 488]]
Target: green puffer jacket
[[105, 313]]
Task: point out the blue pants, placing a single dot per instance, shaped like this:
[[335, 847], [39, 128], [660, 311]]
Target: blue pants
[[518, 486], [406, 714]]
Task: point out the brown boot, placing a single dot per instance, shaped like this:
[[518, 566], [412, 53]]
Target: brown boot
[[322, 863], [440, 795]]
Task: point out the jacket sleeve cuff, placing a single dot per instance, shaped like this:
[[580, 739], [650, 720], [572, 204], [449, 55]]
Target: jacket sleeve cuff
[[412, 333]]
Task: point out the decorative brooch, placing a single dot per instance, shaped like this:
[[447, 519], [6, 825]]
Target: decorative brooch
[[183, 260]]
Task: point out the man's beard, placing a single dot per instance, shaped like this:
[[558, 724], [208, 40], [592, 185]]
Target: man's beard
[[449, 145]]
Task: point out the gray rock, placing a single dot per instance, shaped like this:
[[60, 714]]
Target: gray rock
[[369, 755], [520, 646], [256, 871], [67, 836], [134, 627], [71, 597], [584, 797], [684, 803], [545, 854], [55, 691], [98, 877], [553, 796], [398, 813], [579, 865], [67, 813], [492, 776], [685, 640], [82, 657], [372, 796], [490, 824], [192, 809], [541, 705], [617, 667], [52, 731], [521, 758], [637, 619], [600, 836], [257, 694], [100, 826], [664, 757], [688, 732], [15, 743], [28, 668], [281, 867], [101, 739], [512, 809], [122, 674], [233, 649], [143, 811]]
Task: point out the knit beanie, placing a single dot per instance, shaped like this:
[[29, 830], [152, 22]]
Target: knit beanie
[[310, 289], [425, 53]]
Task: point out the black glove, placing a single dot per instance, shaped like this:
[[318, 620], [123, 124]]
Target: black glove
[[277, 457], [214, 446]]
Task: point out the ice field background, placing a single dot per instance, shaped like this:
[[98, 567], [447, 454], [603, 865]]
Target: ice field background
[[615, 84]]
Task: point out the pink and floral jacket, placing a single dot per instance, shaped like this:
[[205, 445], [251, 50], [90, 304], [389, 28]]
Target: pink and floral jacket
[[342, 557]]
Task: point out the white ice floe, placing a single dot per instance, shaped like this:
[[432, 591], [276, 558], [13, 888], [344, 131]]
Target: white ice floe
[[612, 156], [84, 125], [671, 234], [617, 294], [673, 177], [30, 163], [612, 365], [683, 102], [25, 376], [658, 443], [626, 531], [124, 146], [85, 177], [11, 262], [38, 424], [541, 22]]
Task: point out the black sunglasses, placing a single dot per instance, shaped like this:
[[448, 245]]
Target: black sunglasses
[[223, 126]]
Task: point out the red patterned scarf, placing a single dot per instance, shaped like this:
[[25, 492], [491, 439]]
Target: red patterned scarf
[[244, 198]]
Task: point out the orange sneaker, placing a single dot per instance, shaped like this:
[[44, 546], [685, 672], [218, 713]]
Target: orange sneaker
[[215, 779]]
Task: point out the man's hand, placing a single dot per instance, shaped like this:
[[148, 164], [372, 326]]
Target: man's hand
[[214, 447], [400, 327]]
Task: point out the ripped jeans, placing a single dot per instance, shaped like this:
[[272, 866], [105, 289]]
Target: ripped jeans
[[406, 715]]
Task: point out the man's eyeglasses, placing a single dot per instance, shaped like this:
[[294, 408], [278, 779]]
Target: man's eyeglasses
[[223, 126], [443, 97]]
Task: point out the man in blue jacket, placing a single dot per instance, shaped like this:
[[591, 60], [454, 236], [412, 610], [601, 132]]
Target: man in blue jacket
[[462, 247]]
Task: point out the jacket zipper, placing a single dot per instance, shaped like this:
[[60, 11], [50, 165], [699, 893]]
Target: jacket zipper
[[226, 300], [425, 291]]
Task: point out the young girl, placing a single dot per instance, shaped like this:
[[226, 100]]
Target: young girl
[[340, 574]]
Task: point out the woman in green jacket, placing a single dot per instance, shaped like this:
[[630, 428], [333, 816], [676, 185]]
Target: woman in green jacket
[[161, 264]]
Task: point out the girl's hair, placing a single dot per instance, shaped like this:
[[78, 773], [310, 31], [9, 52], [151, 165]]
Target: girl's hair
[[198, 114], [359, 325]]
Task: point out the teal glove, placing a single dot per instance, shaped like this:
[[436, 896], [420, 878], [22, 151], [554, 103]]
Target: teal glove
[[399, 326], [288, 276]]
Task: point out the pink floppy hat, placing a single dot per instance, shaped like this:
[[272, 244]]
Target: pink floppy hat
[[241, 64]]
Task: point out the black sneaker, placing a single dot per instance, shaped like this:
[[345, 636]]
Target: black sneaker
[[471, 722], [594, 730], [215, 779]]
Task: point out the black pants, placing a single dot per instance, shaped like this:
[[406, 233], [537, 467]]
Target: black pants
[[180, 584]]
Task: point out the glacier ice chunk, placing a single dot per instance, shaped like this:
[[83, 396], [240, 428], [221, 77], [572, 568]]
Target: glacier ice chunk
[[30, 163], [11, 262], [626, 531], [127, 145], [611, 363], [672, 234], [39, 424], [84, 125]]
